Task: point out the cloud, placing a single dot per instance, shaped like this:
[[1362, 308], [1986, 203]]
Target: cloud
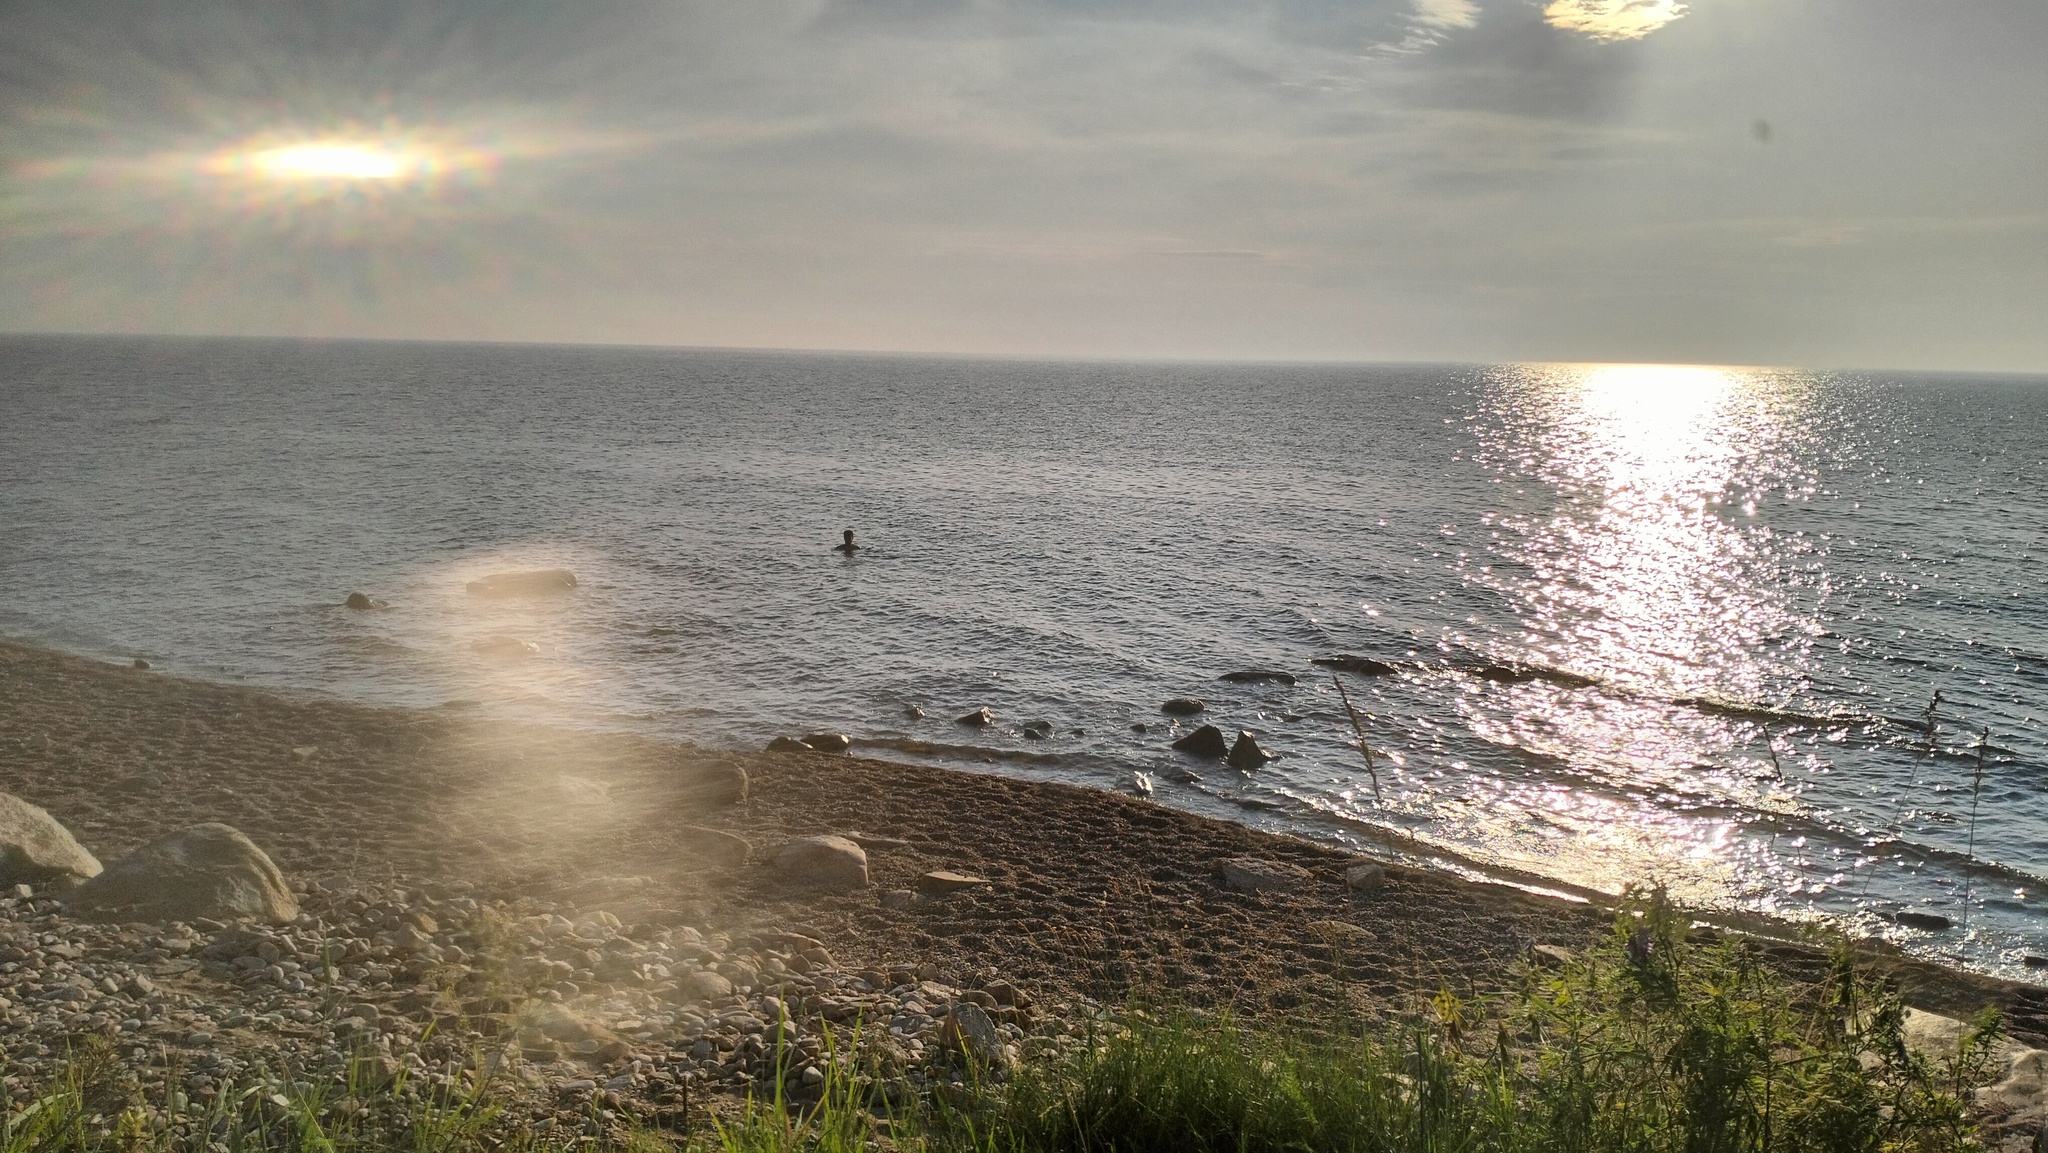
[[1446, 13], [1607, 20]]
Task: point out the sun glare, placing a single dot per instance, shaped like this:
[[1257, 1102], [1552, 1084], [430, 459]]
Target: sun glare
[[1612, 19], [334, 162]]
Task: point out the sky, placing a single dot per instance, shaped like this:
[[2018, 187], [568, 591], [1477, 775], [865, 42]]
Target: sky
[[1825, 183]]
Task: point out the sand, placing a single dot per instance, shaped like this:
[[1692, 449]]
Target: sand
[[1090, 893]]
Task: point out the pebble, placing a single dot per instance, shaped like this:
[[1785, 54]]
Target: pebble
[[568, 1004]]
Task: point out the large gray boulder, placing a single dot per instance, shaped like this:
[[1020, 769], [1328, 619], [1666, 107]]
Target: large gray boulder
[[36, 850], [824, 863], [208, 870]]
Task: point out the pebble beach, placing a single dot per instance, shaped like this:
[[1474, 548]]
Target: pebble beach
[[625, 926]]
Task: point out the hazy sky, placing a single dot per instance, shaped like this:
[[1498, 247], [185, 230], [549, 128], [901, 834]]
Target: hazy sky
[[1818, 182]]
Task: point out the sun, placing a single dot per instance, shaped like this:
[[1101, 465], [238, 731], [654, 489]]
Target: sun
[[334, 161]]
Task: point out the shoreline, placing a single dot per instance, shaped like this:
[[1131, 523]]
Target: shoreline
[[1079, 900]]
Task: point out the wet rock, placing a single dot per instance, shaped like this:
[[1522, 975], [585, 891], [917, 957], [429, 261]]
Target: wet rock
[[948, 881], [1141, 727], [1036, 730], [823, 862], [913, 712], [1140, 785], [1518, 674], [1252, 875], [539, 582], [1259, 677], [789, 745], [1363, 666], [829, 742], [1931, 922], [1206, 741], [36, 850], [1179, 707], [361, 602], [208, 870], [139, 663], [1246, 753], [729, 850], [980, 718], [1181, 776]]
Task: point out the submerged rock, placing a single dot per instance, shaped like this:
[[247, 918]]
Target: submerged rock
[[506, 648], [36, 850], [823, 862], [1036, 730], [789, 745], [361, 602], [1364, 666], [1259, 677], [829, 742], [1931, 922], [208, 870], [538, 582], [980, 718], [1206, 741], [1182, 706]]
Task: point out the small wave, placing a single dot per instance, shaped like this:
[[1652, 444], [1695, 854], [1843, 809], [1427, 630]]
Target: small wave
[[947, 751]]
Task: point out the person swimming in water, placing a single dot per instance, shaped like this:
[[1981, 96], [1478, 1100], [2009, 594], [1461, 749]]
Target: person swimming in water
[[847, 546]]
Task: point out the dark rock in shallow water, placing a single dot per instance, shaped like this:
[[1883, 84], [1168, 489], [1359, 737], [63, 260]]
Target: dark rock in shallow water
[[139, 663], [1141, 727], [1932, 922], [361, 602], [829, 742], [1181, 776], [518, 584], [506, 648], [1182, 707], [1523, 674], [1259, 677], [980, 718], [789, 745], [1206, 741], [1246, 753], [1365, 666], [1036, 730]]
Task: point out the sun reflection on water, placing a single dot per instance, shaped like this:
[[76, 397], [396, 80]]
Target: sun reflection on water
[[1635, 559]]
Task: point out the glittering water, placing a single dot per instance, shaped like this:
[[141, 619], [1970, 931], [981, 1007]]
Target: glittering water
[[1683, 623]]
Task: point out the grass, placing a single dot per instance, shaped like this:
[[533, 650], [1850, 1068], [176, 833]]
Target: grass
[[1656, 1042]]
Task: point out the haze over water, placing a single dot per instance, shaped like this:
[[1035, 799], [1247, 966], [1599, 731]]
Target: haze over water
[[1733, 591]]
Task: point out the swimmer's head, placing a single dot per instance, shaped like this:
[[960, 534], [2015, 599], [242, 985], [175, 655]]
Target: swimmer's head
[[849, 536]]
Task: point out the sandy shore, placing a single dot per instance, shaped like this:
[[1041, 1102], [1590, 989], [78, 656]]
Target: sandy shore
[[1090, 895]]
